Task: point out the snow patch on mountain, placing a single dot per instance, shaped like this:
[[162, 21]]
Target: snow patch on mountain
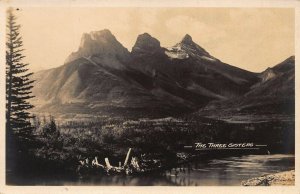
[[267, 75], [176, 52], [208, 58]]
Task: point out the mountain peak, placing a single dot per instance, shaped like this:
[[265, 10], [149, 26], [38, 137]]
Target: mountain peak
[[104, 32], [187, 39], [147, 40], [145, 36], [189, 45], [101, 42], [145, 43], [95, 37]]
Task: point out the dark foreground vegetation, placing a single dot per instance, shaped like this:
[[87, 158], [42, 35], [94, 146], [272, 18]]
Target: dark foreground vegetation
[[69, 148]]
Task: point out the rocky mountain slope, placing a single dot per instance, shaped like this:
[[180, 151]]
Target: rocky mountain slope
[[273, 97], [103, 78]]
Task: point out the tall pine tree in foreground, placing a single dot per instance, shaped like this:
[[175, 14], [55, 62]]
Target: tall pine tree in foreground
[[18, 83]]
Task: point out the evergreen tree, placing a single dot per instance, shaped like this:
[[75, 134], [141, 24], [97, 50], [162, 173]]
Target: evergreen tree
[[18, 82], [50, 129]]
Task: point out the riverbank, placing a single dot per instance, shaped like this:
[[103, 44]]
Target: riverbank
[[286, 178]]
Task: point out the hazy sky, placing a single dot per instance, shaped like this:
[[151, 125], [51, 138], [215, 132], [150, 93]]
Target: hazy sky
[[250, 38]]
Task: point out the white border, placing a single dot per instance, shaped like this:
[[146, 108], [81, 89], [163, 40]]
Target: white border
[[141, 189]]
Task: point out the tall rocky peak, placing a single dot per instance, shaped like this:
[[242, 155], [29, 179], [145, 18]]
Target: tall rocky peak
[[187, 43], [99, 43], [145, 43], [97, 37], [187, 39]]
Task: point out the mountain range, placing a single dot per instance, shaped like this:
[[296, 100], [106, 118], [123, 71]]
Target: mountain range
[[103, 78], [272, 98]]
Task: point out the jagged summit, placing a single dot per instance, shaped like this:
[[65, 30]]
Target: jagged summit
[[103, 43], [99, 43], [189, 45], [145, 43], [103, 78], [100, 33], [96, 36], [187, 39], [186, 48], [146, 37]]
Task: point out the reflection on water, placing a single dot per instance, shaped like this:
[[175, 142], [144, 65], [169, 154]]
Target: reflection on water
[[229, 171], [221, 171], [224, 171]]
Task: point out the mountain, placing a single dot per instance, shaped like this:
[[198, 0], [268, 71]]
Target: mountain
[[273, 97], [276, 81], [188, 66], [146, 45], [102, 44], [103, 78]]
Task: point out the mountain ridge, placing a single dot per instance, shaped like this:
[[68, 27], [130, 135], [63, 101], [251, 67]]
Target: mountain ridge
[[274, 95], [103, 77]]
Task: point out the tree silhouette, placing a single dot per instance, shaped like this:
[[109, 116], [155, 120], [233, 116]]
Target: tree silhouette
[[18, 82]]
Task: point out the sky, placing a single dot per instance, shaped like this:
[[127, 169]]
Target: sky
[[249, 38]]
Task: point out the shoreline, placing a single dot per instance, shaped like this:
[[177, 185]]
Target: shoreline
[[285, 178]]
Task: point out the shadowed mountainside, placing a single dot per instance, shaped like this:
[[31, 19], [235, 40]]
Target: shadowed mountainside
[[273, 96], [103, 77]]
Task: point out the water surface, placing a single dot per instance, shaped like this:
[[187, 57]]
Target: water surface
[[228, 171]]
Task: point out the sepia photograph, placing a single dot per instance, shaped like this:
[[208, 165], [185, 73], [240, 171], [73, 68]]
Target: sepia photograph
[[149, 96]]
